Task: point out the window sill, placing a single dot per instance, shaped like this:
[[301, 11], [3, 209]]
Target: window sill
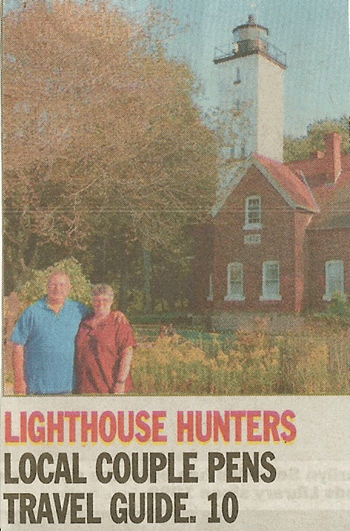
[[232, 298], [252, 226], [277, 298]]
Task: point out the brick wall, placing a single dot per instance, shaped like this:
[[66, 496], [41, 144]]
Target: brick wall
[[282, 239], [324, 245]]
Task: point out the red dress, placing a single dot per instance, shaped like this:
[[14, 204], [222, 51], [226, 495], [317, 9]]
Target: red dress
[[99, 351]]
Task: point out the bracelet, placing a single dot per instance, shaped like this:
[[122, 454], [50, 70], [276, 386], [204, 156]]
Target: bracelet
[[120, 382]]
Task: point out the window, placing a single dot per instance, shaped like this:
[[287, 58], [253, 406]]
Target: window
[[253, 212], [211, 287], [234, 282], [334, 271], [271, 282]]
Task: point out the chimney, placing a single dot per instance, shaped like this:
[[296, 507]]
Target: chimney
[[333, 154]]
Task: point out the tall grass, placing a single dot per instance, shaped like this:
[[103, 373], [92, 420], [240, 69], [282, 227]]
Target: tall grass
[[316, 361]]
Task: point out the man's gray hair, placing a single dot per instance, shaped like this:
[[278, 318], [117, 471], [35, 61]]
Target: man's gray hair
[[57, 272]]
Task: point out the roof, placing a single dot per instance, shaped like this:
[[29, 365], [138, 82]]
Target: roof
[[291, 185], [328, 175], [318, 169], [334, 201]]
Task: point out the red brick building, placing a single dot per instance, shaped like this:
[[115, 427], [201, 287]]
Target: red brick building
[[279, 237], [278, 240]]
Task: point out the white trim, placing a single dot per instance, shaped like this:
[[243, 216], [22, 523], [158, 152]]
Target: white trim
[[276, 185], [249, 210], [252, 226], [239, 173], [252, 239], [237, 176], [234, 296], [329, 276], [211, 287], [277, 298], [270, 296]]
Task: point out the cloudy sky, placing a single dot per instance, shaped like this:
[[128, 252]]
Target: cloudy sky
[[313, 33]]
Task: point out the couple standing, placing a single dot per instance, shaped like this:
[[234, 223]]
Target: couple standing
[[60, 347]]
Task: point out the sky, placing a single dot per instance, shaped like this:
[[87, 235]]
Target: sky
[[313, 33]]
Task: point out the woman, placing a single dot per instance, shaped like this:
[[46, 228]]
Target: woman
[[104, 348]]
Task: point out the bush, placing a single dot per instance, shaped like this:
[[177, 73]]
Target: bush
[[315, 361], [337, 315], [338, 305], [172, 366], [35, 288]]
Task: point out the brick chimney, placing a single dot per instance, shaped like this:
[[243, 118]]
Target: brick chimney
[[333, 155]]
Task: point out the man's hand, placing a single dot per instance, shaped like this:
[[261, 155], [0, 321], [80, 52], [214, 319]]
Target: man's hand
[[120, 317]]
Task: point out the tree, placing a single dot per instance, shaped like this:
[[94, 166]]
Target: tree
[[300, 148], [100, 134]]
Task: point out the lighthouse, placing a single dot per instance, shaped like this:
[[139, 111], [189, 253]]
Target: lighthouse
[[250, 92]]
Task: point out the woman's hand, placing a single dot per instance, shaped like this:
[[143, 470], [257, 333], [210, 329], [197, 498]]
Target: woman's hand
[[119, 388], [123, 372]]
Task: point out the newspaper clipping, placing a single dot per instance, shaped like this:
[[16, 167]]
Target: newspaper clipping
[[176, 265]]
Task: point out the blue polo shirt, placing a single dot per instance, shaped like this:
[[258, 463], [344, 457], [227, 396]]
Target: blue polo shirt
[[49, 341]]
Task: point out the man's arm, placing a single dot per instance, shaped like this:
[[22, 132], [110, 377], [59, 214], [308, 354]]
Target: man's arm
[[18, 366], [124, 369], [121, 318]]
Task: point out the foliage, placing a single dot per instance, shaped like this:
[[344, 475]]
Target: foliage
[[337, 315], [169, 367], [35, 288], [338, 305], [311, 372], [300, 148], [104, 149], [314, 362]]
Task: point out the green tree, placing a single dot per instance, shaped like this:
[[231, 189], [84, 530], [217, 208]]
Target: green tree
[[300, 148], [36, 287], [101, 137]]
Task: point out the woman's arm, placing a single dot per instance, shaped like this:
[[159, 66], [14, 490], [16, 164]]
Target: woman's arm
[[124, 369]]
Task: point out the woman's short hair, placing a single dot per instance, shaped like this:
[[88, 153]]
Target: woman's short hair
[[102, 289]]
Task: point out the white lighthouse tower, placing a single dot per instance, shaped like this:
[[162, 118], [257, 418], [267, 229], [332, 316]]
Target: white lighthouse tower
[[250, 88]]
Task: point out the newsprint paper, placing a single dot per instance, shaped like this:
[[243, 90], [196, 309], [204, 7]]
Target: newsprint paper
[[261, 458]]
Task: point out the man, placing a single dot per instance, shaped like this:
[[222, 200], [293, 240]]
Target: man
[[44, 341]]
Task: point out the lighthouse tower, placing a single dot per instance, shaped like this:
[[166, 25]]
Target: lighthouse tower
[[250, 88]]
